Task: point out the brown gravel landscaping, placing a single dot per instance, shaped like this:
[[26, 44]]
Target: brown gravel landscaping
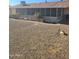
[[36, 40]]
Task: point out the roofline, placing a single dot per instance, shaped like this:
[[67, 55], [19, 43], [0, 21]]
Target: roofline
[[43, 7]]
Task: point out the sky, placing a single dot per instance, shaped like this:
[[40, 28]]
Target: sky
[[14, 2]]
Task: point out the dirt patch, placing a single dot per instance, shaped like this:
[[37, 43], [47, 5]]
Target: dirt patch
[[35, 40]]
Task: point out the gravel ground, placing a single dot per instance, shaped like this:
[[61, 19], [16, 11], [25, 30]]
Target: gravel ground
[[35, 40]]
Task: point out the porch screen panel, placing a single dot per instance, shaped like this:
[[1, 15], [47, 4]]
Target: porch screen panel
[[47, 12], [25, 13], [33, 11], [59, 12], [37, 10], [17, 10], [20, 11], [53, 12], [42, 11], [62, 11], [29, 11]]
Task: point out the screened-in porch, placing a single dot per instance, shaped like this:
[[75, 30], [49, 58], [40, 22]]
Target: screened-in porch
[[53, 12]]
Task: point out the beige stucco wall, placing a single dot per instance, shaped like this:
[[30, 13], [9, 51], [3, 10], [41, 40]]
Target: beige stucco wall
[[12, 11]]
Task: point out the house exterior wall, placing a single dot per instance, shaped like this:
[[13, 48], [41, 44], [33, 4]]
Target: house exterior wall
[[66, 10], [12, 11], [54, 16]]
